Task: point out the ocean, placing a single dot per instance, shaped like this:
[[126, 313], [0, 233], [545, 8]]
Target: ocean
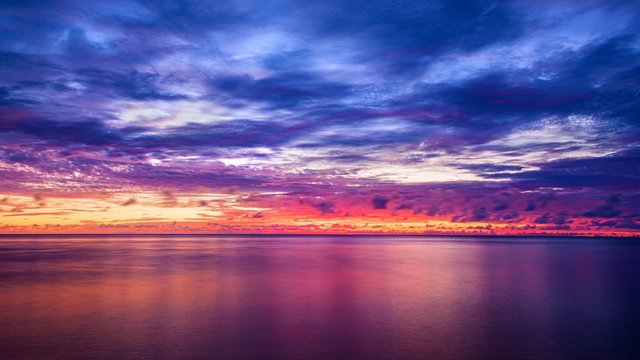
[[318, 297]]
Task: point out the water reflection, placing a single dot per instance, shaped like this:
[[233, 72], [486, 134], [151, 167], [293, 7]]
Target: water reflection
[[318, 298]]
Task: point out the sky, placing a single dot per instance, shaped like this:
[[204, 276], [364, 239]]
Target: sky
[[332, 117]]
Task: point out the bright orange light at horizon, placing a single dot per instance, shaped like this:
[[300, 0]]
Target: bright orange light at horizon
[[257, 213]]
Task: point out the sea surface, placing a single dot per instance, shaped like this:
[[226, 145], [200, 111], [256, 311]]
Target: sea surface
[[318, 297]]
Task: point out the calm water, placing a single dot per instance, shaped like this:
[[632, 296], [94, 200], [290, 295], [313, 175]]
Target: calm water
[[318, 298]]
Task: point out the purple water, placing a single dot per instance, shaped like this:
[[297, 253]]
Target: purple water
[[289, 297]]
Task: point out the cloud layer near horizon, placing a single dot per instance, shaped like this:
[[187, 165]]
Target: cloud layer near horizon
[[293, 116]]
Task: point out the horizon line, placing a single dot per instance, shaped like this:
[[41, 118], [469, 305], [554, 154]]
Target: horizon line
[[328, 234]]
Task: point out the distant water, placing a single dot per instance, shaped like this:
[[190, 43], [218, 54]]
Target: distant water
[[270, 297]]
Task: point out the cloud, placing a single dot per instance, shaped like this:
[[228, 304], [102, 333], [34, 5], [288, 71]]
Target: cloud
[[130, 201], [325, 207], [42, 213], [85, 131], [379, 202], [169, 199], [584, 172], [479, 213], [286, 90], [134, 85], [403, 37], [607, 210], [561, 218]]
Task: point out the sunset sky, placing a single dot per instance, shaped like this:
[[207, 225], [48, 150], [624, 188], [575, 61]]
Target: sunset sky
[[439, 117]]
